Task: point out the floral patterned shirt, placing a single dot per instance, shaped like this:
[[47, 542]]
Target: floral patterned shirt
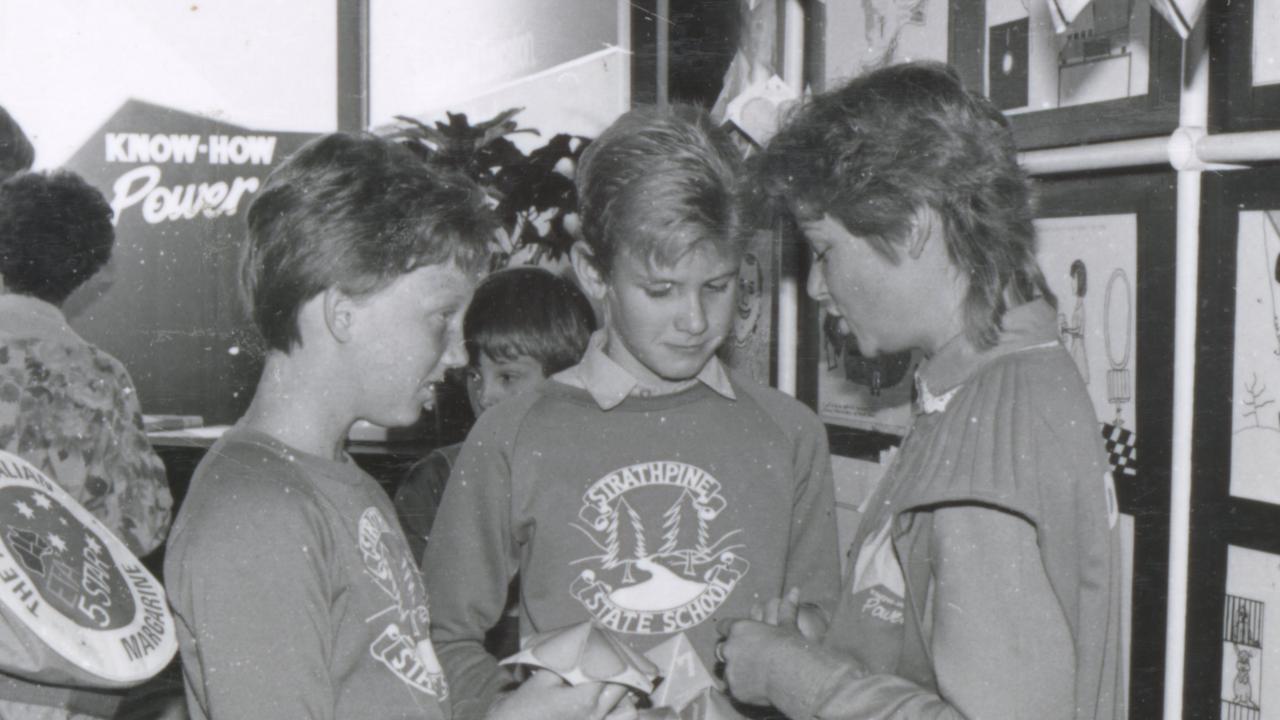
[[71, 410]]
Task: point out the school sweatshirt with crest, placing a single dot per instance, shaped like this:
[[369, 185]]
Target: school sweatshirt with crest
[[295, 593], [659, 516]]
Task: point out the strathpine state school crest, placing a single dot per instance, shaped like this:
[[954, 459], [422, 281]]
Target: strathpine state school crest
[[665, 563]]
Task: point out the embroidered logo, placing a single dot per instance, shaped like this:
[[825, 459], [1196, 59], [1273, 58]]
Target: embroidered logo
[[660, 573], [397, 647]]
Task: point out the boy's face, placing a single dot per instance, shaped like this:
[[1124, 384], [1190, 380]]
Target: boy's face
[[491, 381], [403, 339], [665, 323]]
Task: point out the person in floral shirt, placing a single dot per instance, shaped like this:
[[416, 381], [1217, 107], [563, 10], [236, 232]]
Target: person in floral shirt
[[66, 406]]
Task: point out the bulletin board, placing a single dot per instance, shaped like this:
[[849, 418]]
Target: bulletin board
[[1233, 650]]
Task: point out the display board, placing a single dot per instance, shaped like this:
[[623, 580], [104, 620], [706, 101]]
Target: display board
[[169, 308]]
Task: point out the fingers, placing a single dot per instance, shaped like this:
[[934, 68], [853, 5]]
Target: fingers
[[788, 608], [609, 696], [725, 627]]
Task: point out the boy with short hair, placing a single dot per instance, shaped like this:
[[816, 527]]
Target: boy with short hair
[[644, 487], [295, 592], [524, 324]]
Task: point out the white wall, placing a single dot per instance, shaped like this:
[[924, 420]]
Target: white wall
[[67, 65]]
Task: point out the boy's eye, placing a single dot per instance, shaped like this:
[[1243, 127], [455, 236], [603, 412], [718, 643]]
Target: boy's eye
[[659, 290], [819, 257], [718, 287]]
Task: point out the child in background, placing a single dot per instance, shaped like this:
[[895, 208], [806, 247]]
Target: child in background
[[295, 593], [524, 324], [644, 487]]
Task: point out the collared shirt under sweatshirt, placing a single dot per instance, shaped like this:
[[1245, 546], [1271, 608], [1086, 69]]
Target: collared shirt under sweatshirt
[[653, 515]]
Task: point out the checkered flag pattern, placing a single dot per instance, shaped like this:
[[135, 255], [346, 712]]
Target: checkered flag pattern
[[1122, 450]]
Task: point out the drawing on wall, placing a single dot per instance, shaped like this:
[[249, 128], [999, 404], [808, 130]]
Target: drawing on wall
[[1248, 641], [885, 20], [1255, 418], [1102, 56], [1087, 262], [1266, 52], [870, 393], [1097, 324], [749, 346], [866, 35]]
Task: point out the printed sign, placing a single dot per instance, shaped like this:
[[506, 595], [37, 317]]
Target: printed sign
[[180, 186], [74, 585]]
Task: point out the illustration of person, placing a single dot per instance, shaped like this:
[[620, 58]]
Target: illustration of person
[[750, 285], [1242, 687], [1073, 330]]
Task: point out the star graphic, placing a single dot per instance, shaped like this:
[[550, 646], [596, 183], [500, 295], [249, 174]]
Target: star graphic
[[57, 542], [24, 510], [62, 520], [42, 500], [92, 542]]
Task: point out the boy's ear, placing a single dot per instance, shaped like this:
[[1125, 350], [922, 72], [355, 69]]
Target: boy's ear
[[923, 224], [589, 275], [339, 315]]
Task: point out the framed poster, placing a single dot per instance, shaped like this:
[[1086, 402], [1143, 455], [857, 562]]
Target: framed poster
[[1250, 678], [1113, 74], [1245, 67], [753, 340], [1105, 244], [1232, 671]]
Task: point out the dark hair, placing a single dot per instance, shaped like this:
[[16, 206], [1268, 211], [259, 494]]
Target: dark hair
[[16, 152], [1081, 275], [907, 138], [656, 183], [354, 213], [529, 311], [55, 233]]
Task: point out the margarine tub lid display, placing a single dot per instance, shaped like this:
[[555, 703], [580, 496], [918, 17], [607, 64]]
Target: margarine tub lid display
[[69, 585]]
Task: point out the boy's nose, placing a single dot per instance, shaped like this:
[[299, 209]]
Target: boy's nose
[[455, 353], [816, 285], [694, 318]]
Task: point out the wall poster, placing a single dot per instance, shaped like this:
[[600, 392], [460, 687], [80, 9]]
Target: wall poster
[[860, 392], [1102, 56], [1090, 263], [1266, 50], [750, 346], [1255, 416], [1250, 638]]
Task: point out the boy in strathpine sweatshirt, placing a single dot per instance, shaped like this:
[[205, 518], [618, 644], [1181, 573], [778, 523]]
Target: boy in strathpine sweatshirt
[[294, 589], [645, 487]]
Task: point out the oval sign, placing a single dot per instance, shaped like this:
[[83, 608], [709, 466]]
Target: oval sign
[[70, 581]]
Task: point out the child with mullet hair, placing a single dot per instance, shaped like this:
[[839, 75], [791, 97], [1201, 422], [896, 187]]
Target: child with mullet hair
[[294, 589], [645, 488]]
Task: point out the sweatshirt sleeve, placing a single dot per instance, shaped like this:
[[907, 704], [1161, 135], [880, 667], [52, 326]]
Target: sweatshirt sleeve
[[253, 588], [1001, 645], [813, 557], [470, 561]]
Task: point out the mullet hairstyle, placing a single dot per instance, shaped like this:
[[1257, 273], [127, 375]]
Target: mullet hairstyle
[[532, 312], [353, 213], [55, 233], [906, 138], [656, 183]]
